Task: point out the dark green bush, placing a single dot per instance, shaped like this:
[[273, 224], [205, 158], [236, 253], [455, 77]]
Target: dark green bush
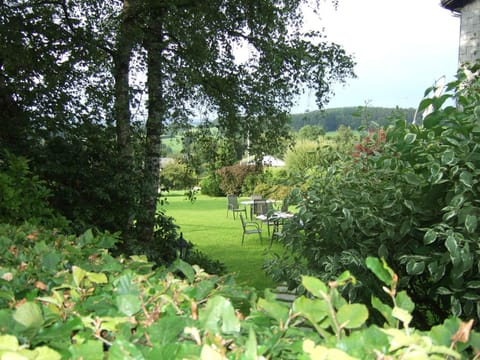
[[23, 196], [412, 200], [211, 186]]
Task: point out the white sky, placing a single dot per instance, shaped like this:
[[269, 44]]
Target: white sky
[[401, 48]]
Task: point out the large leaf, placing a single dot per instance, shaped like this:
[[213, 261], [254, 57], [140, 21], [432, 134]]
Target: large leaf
[[166, 330], [315, 310], [219, 312], [404, 301], [315, 286], [128, 304], [29, 315], [430, 237], [352, 316], [381, 270], [88, 350], [384, 309], [275, 309]]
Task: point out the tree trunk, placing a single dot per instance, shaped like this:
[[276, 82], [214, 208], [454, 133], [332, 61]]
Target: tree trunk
[[125, 43], [156, 112], [121, 58]]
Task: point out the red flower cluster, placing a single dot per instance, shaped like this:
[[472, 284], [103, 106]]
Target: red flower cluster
[[371, 143]]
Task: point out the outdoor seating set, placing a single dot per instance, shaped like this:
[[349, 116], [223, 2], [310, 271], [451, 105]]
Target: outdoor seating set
[[262, 210]]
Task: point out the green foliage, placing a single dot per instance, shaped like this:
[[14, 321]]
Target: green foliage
[[89, 182], [233, 177], [176, 176], [311, 132], [211, 185], [307, 155], [23, 196], [87, 304], [352, 117], [413, 200]]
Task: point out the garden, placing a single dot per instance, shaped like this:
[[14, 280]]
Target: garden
[[105, 255], [386, 267]]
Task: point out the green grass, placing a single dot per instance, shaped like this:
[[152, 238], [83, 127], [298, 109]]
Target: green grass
[[205, 223]]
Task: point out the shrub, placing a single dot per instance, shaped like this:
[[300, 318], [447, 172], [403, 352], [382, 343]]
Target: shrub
[[23, 196], [177, 176], [211, 185], [233, 177], [415, 204], [66, 297]]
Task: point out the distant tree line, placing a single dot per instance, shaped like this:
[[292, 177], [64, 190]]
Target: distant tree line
[[353, 117]]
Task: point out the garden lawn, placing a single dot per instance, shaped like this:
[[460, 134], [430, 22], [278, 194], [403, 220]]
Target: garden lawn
[[205, 223]]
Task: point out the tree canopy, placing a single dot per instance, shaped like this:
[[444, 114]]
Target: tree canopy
[[100, 65]]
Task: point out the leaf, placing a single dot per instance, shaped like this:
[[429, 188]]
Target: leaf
[[466, 179], [415, 267], [384, 309], [251, 346], [401, 314], [451, 245], [412, 179], [219, 309], [314, 310], [87, 350], [29, 315], [78, 275], [209, 353], [9, 342], [429, 237], [404, 301], [410, 138], [128, 304], [276, 310], [315, 286], [448, 157], [320, 352], [50, 260], [381, 270], [456, 306], [166, 330], [475, 284], [97, 278], [471, 223], [122, 350], [425, 102], [185, 268], [444, 291], [352, 316]]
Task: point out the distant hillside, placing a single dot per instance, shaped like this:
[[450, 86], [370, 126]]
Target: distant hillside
[[354, 117]]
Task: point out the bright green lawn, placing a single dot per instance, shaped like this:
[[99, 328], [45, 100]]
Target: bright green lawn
[[205, 223]]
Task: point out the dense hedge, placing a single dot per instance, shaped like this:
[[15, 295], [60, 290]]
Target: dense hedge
[[66, 297]]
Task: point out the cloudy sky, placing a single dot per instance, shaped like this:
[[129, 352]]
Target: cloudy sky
[[401, 48]]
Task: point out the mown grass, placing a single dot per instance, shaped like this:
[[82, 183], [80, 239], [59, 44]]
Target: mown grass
[[205, 223]]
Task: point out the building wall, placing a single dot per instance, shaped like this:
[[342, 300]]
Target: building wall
[[470, 33]]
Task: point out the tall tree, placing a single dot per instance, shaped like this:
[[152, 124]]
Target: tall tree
[[192, 49], [65, 63]]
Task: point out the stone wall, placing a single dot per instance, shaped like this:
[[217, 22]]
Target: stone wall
[[470, 33]]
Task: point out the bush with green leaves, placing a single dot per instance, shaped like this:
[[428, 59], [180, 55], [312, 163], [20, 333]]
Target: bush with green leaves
[[176, 175], [65, 297], [233, 177], [414, 201], [23, 195], [210, 185]]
